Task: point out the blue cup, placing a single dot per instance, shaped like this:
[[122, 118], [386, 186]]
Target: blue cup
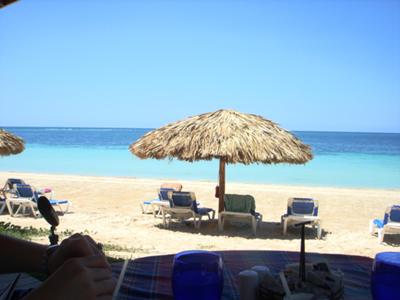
[[385, 276], [197, 275]]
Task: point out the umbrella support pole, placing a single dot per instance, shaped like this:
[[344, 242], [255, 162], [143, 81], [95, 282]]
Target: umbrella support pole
[[221, 184]]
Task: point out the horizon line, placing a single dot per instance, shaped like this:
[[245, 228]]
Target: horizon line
[[153, 128]]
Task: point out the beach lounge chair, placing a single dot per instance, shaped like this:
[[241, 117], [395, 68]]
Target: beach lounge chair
[[239, 208], [22, 200], [301, 210], [24, 196], [183, 206], [9, 185], [389, 224], [162, 200], [2, 201], [62, 205]]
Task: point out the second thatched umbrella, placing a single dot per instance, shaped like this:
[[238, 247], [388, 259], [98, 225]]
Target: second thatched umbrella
[[228, 135], [10, 144]]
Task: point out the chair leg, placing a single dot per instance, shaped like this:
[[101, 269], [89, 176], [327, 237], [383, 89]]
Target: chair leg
[[198, 222], [60, 208], [169, 220], [259, 221], [34, 214], [18, 210], [319, 230], [284, 227], [213, 214], [254, 224], [10, 208], [220, 223], [371, 227], [66, 208], [381, 235], [164, 218]]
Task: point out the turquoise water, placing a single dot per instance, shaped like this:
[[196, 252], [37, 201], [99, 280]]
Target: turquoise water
[[341, 159]]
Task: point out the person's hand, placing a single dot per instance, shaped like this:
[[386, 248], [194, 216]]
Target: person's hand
[[83, 278], [76, 245]]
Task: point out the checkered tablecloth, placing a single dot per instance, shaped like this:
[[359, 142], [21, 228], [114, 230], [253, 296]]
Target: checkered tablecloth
[[150, 277]]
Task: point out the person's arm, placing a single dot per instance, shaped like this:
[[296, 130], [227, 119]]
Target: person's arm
[[17, 255], [79, 270], [83, 278], [20, 256]]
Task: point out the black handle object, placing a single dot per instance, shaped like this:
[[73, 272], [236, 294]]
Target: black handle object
[[302, 265], [50, 215]]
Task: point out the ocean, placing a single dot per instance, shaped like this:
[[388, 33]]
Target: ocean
[[341, 159]]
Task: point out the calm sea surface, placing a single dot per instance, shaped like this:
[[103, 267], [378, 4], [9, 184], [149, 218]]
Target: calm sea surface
[[341, 159]]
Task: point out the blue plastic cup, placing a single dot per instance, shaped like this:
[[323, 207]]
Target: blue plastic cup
[[197, 275], [385, 276]]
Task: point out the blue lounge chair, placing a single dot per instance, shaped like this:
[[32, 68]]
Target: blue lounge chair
[[9, 185], [54, 202], [155, 204], [389, 224], [2, 203], [25, 196], [22, 198], [162, 199], [302, 210], [183, 206], [60, 204]]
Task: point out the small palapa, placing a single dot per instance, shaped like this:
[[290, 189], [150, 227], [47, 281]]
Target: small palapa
[[228, 135]]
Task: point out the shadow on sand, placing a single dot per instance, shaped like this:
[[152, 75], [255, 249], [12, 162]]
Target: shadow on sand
[[390, 239], [266, 230]]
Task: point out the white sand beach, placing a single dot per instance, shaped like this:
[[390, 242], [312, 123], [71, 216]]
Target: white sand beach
[[108, 208]]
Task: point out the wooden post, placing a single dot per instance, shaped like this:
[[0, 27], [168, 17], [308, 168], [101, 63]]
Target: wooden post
[[221, 184]]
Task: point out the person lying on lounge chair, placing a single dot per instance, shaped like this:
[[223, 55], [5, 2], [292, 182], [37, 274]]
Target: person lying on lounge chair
[[77, 269]]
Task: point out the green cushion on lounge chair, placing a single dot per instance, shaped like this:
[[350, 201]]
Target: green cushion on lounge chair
[[240, 203]]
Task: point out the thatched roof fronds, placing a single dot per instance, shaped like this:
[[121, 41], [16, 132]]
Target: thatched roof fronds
[[10, 144], [6, 2], [228, 134]]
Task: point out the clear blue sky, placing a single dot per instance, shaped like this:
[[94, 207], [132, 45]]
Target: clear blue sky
[[308, 65]]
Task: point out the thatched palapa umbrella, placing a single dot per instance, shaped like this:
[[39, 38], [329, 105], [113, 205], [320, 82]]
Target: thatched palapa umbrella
[[6, 2], [10, 144], [228, 135]]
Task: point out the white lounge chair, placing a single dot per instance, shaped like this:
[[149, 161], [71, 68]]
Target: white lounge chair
[[389, 224], [184, 207], [3, 203], [24, 196], [62, 205], [21, 199], [9, 186], [155, 204], [301, 210], [162, 201], [239, 208]]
